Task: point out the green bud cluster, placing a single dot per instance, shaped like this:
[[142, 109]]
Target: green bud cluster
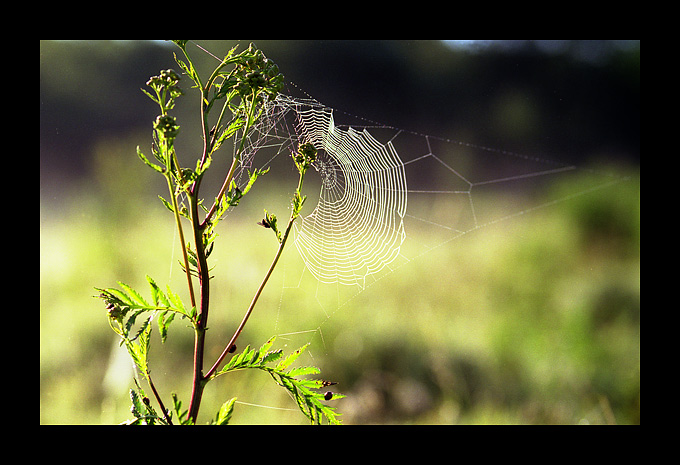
[[168, 78], [166, 89], [305, 156], [166, 126], [256, 73]]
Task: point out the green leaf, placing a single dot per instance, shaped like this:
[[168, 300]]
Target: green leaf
[[189, 70], [262, 353], [142, 410], [156, 293], [177, 302], [137, 297], [303, 390], [181, 415], [167, 204], [243, 356], [285, 363], [121, 297], [164, 320], [146, 160], [137, 408], [301, 371], [235, 124], [272, 356], [234, 194], [138, 350], [200, 169], [253, 177], [124, 307], [225, 412]]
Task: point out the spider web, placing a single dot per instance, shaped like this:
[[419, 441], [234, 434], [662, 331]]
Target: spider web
[[381, 198], [357, 227]]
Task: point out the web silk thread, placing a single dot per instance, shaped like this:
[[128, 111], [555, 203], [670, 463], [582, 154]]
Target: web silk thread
[[357, 226]]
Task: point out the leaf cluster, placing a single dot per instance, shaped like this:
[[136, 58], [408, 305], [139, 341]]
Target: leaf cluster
[[142, 410], [270, 222], [126, 304], [241, 81], [145, 414], [305, 391]]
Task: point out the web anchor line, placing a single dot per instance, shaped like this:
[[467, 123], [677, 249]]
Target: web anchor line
[[357, 227]]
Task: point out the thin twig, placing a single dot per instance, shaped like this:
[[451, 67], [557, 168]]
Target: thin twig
[[252, 303], [158, 399], [293, 217]]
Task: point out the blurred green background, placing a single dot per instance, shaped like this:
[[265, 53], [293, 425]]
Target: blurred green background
[[536, 320]]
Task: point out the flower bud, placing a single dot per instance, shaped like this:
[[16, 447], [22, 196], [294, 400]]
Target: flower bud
[[166, 126]]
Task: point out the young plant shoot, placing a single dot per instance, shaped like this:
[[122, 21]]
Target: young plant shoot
[[236, 91]]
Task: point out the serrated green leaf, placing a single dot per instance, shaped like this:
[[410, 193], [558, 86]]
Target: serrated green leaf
[[177, 302], [164, 320], [157, 295], [121, 296], [135, 295], [285, 363], [243, 356], [253, 357], [130, 322], [200, 169], [272, 356], [225, 412], [301, 371], [138, 350], [262, 352], [234, 126], [137, 405], [155, 291], [267, 345], [181, 414], [145, 338], [304, 391]]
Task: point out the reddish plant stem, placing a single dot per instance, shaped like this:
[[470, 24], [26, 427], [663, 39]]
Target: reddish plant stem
[[199, 382]]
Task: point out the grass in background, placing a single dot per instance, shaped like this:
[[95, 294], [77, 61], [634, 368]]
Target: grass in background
[[533, 320]]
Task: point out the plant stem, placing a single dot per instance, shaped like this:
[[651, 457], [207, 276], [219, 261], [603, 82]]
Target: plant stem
[[199, 380], [250, 114], [225, 186], [181, 240], [158, 399]]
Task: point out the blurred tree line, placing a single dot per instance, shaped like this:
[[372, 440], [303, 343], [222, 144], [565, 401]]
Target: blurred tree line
[[575, 102]]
